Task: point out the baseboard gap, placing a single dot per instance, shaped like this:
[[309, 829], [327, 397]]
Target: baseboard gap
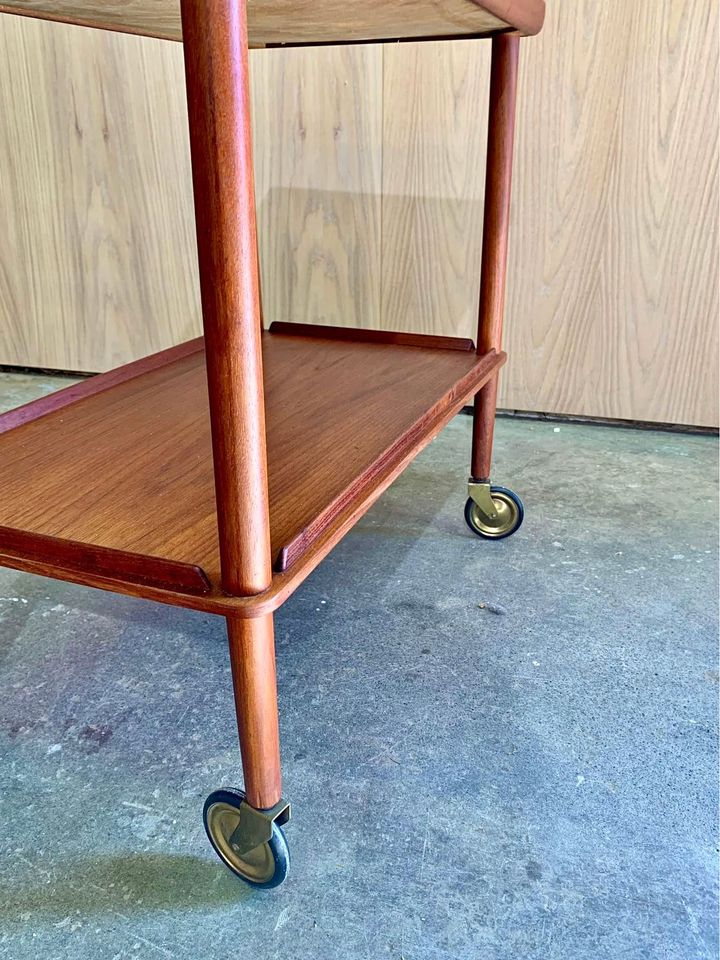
[[604, 422]]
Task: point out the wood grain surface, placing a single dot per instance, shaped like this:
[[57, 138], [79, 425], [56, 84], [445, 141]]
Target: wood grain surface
[[98, 264], [218, 90], [613, 277], [88, 387], [613, 284], [318, 136], [343, 417], [613, 270], [252, 660], [304, 21], [433, 167], [366, 336]]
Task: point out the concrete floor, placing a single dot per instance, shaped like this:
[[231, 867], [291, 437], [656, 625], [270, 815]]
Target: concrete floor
[[495, 751]]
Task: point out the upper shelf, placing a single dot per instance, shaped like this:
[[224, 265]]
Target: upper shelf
[[297, 22]]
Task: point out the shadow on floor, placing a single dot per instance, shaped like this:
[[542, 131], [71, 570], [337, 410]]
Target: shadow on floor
[[123, 885]]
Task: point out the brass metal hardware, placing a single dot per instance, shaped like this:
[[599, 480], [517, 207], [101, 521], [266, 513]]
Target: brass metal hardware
[[255, 826], [479, 493]]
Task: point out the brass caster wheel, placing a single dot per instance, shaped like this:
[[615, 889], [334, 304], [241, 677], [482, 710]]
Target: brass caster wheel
[[233, 827], [493, 513]]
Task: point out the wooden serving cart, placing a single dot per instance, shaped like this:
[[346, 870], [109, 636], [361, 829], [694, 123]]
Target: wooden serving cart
[[217, 474]]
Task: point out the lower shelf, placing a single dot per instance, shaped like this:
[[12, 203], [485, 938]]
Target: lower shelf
[[110, 483]]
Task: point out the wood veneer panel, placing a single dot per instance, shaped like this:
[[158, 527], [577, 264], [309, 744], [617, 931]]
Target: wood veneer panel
[[318, 146], [88, 388], [613, 286], [285, 583], [96, 192], [95, 198], [130, 468], [612, 302], [304, 21], [434, 145]]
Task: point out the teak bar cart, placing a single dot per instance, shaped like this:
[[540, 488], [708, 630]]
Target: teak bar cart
[[217, 474]]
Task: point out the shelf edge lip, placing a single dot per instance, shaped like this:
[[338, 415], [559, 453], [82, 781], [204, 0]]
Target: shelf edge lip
[[363, 335], [94, 385], [106, 563]]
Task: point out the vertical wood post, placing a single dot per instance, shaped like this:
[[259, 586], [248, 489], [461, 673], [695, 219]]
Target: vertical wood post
[[216, 70], [498, 178], [252, 657], [218, 92]]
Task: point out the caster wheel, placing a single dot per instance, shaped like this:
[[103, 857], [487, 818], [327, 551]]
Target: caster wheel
[[510, 514], [264, 867]]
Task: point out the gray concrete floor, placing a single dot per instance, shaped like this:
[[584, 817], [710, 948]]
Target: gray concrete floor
[[533, 779]]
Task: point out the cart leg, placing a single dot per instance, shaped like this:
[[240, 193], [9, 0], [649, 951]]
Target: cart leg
[[252, 657], [494, 512], [243, 827], [483, 431]]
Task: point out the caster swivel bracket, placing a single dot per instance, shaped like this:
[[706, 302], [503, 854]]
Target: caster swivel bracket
[[256, 826], [479, 493]]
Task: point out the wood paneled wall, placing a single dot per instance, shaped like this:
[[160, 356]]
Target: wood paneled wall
[[615, 276], [97, 242], [318, 142], [370, 186]]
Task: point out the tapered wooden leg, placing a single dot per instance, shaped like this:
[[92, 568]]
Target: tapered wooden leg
[[501, 132], [244, 829], [252, 657], [483, 430]]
